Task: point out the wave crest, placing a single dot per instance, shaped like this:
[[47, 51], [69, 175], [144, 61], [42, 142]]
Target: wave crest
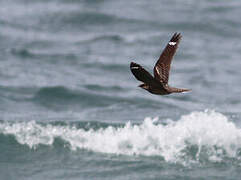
[[199, 136]]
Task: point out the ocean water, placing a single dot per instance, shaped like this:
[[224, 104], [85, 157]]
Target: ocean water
[[71, 109]]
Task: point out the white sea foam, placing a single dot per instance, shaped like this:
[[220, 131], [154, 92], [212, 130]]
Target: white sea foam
[[207, 130]]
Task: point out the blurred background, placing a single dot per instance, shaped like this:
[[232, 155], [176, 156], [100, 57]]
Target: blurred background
[[67, 61]]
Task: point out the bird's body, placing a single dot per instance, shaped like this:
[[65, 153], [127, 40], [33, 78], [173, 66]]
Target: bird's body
[[155, 89], [159, 83]]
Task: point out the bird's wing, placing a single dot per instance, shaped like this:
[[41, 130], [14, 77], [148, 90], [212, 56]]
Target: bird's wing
[[162, 67], [140, 73]]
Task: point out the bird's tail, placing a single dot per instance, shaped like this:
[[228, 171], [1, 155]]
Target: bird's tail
[[179, 90]]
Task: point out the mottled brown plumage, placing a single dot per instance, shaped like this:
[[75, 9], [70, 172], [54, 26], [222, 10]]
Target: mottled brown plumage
[[159, 83]]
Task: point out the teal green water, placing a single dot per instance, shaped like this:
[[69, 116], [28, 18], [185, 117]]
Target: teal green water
[[71, 109]]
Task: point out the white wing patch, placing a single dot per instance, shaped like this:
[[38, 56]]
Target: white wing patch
[[134, 67], [172, 43], [158, 70]]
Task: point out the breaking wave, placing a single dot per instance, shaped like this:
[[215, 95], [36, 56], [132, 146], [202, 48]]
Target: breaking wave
[[197, 137]]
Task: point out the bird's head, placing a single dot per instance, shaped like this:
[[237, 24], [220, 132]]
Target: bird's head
[[144, 86]]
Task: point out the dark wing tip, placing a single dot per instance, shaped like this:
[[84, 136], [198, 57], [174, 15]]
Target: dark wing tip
[[176, 37], [134, 65]]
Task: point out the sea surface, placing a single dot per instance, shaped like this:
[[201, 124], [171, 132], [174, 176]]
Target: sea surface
[[71, 109]]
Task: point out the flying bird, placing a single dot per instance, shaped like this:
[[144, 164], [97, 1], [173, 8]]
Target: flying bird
[[159, 83]]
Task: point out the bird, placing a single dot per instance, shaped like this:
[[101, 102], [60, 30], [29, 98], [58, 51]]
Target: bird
[[159, 83]]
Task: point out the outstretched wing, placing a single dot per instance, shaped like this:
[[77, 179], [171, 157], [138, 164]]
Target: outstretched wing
[[162, 67], [140, 73]]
